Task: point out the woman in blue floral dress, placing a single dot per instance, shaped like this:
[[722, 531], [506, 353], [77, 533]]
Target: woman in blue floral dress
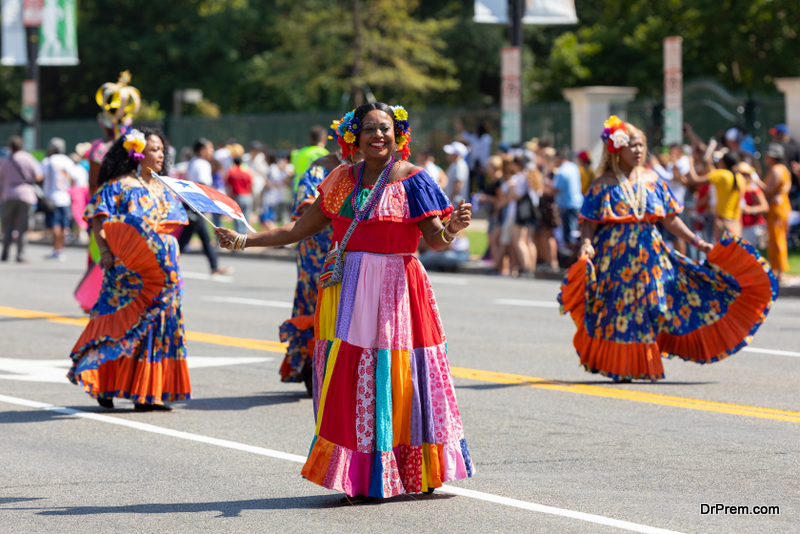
[[298, 332], [635, 300], [133, 346]]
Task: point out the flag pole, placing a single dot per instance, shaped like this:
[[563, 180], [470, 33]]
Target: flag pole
[[156, 176]]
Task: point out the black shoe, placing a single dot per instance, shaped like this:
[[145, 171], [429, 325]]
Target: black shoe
[[358, 499], [139, 407], [105, 403], [429, 491]]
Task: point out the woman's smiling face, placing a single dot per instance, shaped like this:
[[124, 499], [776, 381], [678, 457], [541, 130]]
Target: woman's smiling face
[[376, 139]]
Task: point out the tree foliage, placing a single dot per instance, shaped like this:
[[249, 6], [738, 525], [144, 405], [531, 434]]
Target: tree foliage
[[305, 55]]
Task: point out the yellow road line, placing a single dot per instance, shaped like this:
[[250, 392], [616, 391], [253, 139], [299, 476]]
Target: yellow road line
[[475, 374], [228, 341], [625, 394]]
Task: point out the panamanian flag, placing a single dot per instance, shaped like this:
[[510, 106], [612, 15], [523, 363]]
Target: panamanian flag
[[204, 199]]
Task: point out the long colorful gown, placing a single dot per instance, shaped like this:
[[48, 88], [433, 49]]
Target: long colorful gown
[[778, 223], [637, 300], [387, 419], [133, 346], [298, 331]]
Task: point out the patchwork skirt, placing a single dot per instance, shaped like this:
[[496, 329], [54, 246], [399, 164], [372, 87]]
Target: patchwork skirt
[[387, 421]]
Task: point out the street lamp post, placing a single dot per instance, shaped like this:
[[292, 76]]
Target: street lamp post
[[32, 20]]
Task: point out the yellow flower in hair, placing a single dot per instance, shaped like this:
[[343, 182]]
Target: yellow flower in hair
[[135, 141], [400, 113], [612, 121], [349, 137]]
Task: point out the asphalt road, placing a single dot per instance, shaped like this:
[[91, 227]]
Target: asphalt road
[[556, 449]]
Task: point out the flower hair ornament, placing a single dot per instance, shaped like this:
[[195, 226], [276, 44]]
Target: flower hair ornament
[[348, 127], [134, 144], [403, 131], [614, 134]]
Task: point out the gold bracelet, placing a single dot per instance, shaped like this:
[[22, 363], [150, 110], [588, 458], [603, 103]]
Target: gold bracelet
[[448, 232], [104, 250], [448, 241]]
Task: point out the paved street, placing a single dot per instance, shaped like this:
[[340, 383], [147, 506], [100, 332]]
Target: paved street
[[556, 449]]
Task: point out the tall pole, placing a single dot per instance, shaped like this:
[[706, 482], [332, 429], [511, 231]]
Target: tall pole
[[32, 19], [511, 71]]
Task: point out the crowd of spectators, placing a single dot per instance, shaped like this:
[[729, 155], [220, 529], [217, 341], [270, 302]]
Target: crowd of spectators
[[529, 195]]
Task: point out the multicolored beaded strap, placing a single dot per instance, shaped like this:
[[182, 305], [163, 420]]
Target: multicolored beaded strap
[[333, 268], [362, 214]]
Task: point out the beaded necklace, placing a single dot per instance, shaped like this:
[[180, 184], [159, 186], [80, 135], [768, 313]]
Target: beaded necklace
[[636, 200], [361, 214]]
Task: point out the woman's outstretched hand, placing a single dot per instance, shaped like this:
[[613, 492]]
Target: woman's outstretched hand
[[460, 218], [225, 237]]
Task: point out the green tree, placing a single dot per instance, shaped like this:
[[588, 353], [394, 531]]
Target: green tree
[[335, 48]]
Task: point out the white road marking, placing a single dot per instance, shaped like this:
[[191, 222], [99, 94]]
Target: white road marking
[[251, 302], [55, 371], [770, 351], [488, 497], [448, 280], [530, 303], [207, 276]]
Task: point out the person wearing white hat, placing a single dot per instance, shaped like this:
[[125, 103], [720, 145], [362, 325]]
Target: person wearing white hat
[[458, 172]]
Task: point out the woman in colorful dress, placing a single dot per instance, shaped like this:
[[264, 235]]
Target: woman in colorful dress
[[133, 346], [118, 102], [634, 300], [387, 419], [298, 332]]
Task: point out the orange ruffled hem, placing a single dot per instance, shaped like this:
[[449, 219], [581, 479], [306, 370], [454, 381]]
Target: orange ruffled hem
[[139, 381], [734, 330], [707, 344]]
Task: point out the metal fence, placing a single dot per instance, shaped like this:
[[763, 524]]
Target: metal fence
[[434, 128]]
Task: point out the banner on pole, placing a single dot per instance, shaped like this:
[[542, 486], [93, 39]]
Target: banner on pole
[[536, 12], [58, 40], [673, 91], [15, 53], [511, 94]]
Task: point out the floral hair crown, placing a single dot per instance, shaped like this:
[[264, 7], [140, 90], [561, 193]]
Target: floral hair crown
[[134, 143], [614, 134], [348, 127]]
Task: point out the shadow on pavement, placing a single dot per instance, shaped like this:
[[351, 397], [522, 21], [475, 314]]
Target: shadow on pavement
[[33, 416], [229, 508], [244, 403]]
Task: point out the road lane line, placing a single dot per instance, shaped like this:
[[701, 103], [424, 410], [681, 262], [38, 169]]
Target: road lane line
[[625, 394], [527, 303], [447, 280], [478, 495], [250, 302], [206, 276], [228, 341], [486, 376], [773, 352]]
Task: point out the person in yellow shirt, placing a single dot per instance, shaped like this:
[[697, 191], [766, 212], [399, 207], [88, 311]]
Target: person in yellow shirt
[[587, 174], [729, 186]]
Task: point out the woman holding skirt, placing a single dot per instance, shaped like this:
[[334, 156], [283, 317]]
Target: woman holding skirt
[[386, 413], [133, 346], [633, 299]]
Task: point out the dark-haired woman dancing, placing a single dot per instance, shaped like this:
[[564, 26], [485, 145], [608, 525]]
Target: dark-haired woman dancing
[[133, 346], [387, 418]]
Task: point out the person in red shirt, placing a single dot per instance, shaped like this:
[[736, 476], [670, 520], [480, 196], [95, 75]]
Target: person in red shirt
[[240, 188]]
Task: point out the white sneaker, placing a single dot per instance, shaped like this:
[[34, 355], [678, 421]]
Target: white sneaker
[[60, 256]]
